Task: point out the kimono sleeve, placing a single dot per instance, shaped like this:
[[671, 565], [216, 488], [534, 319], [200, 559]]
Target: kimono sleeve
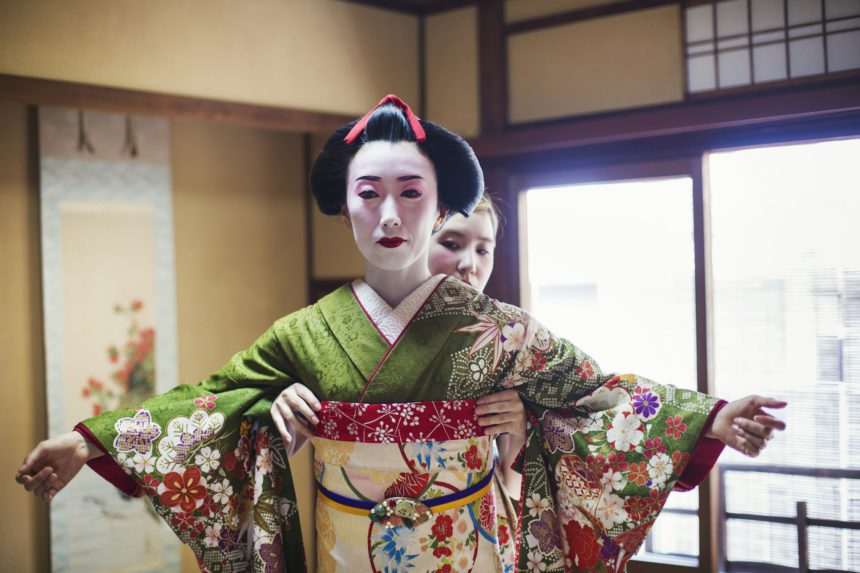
[[603, 450], [211, 463]]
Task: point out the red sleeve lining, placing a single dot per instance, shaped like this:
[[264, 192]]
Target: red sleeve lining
[[106, 467], [704, 455]]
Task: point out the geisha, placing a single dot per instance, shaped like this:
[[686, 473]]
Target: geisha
[[388, 371]]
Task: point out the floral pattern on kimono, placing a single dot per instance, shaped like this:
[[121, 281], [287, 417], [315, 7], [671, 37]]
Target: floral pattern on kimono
[[602, 451]]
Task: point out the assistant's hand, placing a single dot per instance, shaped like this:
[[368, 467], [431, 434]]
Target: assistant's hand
[[745, 426], [296, 398], [53, 464], [502, 412]]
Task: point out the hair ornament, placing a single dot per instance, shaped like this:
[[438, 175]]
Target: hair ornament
[[413, 120]]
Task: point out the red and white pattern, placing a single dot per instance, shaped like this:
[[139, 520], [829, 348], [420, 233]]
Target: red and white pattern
[[398, 423]]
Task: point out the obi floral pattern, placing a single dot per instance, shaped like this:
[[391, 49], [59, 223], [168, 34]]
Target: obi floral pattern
[[398, 423]]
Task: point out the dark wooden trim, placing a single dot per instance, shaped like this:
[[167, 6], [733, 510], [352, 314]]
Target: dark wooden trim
[[307, 160], [422, 66], [590, 13], [504, 283], [416, 7], [692, 118], [37, 91], [321, 287], [492, 66]]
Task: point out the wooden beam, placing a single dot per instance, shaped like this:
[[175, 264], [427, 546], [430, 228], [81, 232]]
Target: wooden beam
[[492, 66], [688, 118], [70, 94]]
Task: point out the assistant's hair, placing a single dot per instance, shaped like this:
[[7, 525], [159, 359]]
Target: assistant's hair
[[486, 205], [458, 173]]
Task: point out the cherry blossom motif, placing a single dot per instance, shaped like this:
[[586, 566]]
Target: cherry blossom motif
[[184, 435], [584, 371], [213, 535], [610, 510], [207, 459], [625, 432], [144, 463], [406, 422], [613, 481], [535, 561], [660, 468], [221, 491], [675, 427], [183, 491], [136, 434], [206, 402], [513, 336], [536, 504]]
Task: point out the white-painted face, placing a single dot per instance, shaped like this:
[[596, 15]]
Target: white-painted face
[[393, 203], [464, 249]]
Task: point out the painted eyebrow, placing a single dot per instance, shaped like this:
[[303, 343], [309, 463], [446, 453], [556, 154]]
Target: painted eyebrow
[[377, 178]]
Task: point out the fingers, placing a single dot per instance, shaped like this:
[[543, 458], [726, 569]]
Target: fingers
[[291, 420], [32, 482], [764, 402], [749, 438], [513, 404], [46, 485], [299, 405], [753, 428], [503, 396], [278, 419], [504, 422], [308, 396], [31, 460], [770, 422]]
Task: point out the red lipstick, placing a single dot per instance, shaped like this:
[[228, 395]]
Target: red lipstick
[[391, 242]]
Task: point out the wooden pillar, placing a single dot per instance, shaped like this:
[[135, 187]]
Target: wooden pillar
[[493, 66]]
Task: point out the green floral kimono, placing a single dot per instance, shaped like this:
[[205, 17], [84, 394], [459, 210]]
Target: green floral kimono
[[602, 453]]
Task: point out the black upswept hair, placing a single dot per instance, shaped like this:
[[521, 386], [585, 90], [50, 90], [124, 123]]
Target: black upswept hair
[[458, 173]]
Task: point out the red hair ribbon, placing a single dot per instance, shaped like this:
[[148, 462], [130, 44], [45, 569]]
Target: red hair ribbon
[[390, 98]]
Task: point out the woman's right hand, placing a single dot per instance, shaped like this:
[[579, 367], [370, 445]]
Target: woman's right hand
[[53, 464], [297, 398]]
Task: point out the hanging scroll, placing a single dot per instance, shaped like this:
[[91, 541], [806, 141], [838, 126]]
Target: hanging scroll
[[110, 316]]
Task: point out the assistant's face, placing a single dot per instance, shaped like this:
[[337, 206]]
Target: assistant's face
[[464, 249], [392, 203]]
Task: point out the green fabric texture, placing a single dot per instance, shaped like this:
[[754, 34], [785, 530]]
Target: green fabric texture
[[603, 451]]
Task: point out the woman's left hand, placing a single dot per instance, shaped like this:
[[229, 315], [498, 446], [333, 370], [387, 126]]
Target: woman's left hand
[[502, 412], [745, 426]]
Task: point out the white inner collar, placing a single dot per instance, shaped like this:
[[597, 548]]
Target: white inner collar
[[391, 322]]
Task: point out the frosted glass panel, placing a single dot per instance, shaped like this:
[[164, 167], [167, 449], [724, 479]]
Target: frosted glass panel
[[732, 18], [700, 23], [803, 11], [786, 289], [809, 30], [842, 8], [843, 51], [769, 62], [700, 73], [734, 68], [767, 14], [806, 56]]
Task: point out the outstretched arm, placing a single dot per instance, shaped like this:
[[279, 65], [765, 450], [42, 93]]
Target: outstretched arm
[[745, 426], [53, 464]]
